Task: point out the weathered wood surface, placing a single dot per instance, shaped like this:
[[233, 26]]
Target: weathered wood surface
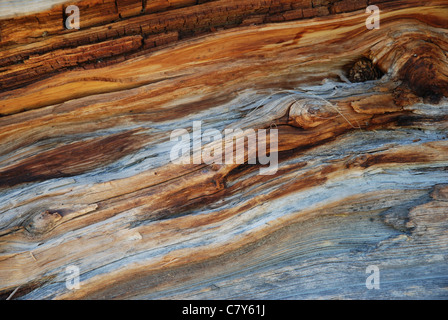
[[86, 178]]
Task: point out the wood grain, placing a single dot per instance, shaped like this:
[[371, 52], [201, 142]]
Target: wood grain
[[86, 177]]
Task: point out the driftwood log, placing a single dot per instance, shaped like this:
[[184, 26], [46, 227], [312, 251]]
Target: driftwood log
[[87, 179]]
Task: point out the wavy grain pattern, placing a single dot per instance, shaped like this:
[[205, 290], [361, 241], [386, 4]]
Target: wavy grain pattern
[[85, 171]]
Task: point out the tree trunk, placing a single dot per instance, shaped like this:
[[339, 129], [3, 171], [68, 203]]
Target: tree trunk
[[87, 125]]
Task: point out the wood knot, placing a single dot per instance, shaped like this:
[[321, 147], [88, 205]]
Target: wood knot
[[425, 70], [310, 113], [43, 222], [364, 70]]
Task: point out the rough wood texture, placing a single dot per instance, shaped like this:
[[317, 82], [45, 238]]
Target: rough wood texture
[[86, 178]]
